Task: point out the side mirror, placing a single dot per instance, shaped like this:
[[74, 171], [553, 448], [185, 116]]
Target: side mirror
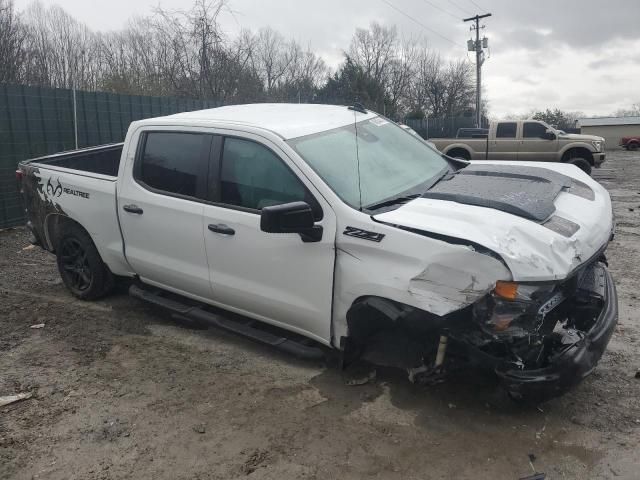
[[549, 135], [294, 217]]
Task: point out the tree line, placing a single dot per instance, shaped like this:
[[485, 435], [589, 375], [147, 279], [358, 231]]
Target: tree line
[[567, 120], [187, 54]]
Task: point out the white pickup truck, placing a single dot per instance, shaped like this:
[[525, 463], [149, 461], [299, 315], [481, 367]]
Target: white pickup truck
[[317, 227]]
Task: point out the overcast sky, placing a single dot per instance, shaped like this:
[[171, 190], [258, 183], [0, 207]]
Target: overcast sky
[[579, 55]]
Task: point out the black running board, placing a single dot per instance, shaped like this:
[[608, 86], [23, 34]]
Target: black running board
[[199, 314]]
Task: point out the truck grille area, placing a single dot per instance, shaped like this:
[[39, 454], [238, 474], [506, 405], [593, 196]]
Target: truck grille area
[[540, 330]]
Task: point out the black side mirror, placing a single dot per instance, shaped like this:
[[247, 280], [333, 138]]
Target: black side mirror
[[294, 217], [549, 135]]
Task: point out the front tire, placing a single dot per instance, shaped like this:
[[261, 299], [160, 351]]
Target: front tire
[[82, 270], [632, 146], [582, 164]]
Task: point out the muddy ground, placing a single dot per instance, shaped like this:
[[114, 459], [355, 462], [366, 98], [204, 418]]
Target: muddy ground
[[121, 391]]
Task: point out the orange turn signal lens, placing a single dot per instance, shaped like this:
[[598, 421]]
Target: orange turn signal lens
[[507, 290]]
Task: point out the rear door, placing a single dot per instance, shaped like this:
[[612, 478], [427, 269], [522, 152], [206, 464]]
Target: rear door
[[534, 146], [276, 278], [505, 144], [160, 209]]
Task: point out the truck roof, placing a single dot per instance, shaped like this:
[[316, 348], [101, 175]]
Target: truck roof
[[288, 120]]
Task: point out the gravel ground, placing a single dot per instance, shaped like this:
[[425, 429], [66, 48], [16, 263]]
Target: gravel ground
[[121, 391]]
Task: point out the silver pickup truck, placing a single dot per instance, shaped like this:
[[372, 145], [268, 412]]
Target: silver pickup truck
[[529, 140]]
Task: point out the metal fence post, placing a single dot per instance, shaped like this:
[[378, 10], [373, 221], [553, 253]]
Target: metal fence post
[[75, 116]]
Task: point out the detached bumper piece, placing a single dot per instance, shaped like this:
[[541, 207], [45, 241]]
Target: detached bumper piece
[[578, 350]]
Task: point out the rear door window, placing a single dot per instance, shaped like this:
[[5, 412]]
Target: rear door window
[[174, 163], [507, 130]]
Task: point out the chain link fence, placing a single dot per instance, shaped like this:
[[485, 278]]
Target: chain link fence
[[38, 121]]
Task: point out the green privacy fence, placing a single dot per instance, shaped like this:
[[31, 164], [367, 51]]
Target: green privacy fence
[[441, 127], [38, 121]]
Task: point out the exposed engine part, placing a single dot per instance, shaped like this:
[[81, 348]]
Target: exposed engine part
[[426, 375], [442, 350]]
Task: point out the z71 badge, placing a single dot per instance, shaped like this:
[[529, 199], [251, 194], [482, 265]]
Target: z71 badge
[[363, 234]]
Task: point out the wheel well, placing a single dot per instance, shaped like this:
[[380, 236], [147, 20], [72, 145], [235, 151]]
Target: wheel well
[[459, 152], [370, 315], [578, 152], [55, 224]]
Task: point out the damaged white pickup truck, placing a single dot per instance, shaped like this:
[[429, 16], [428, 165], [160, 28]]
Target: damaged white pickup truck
[[316, 227]]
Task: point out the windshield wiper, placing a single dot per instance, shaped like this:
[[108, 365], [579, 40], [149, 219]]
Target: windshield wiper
[[392, 201], [445, 174]]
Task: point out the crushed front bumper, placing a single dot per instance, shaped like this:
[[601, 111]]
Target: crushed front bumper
[[578, 360]]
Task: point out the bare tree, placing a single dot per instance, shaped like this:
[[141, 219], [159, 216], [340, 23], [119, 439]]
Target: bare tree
[[440, 88], [186, 53], [634, 111], [373, 50], [272, 57], [12, 36], [61, 52]]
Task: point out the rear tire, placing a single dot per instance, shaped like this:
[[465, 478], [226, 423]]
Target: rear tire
[[582, 164], [82, 270]]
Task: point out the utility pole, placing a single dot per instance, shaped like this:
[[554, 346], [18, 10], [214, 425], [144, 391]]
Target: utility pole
[[478, 47], [203, 60]]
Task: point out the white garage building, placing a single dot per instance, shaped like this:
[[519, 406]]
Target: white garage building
[[611, 128]]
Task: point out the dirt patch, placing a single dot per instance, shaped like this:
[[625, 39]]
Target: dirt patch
[[121, 391]]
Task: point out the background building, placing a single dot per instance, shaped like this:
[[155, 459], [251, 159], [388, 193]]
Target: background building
[[611, 128]]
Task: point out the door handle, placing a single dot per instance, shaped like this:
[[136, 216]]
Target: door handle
[[132, 209], [221, 228]]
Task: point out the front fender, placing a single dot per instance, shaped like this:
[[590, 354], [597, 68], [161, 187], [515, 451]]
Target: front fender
[[574, 145], [423, 272]]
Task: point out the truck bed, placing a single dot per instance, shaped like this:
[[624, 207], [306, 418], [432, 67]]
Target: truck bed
[[103, 159], [79, 185]]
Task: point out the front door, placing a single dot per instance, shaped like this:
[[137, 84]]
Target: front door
[[276, 278], [160, 210], [534, 146]]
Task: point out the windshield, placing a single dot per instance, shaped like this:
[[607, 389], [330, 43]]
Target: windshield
[[392, 161]]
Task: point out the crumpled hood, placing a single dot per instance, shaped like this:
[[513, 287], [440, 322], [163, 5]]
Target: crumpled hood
[[531, 250]]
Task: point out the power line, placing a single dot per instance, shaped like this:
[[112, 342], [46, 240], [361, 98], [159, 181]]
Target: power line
[[422, 24], [441, 9], [464, 10], [478, 6]]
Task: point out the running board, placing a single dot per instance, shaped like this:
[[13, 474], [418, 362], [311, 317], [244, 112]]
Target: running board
[[199, 314]]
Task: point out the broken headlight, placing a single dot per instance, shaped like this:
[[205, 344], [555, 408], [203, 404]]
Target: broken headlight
[[511, 308]]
